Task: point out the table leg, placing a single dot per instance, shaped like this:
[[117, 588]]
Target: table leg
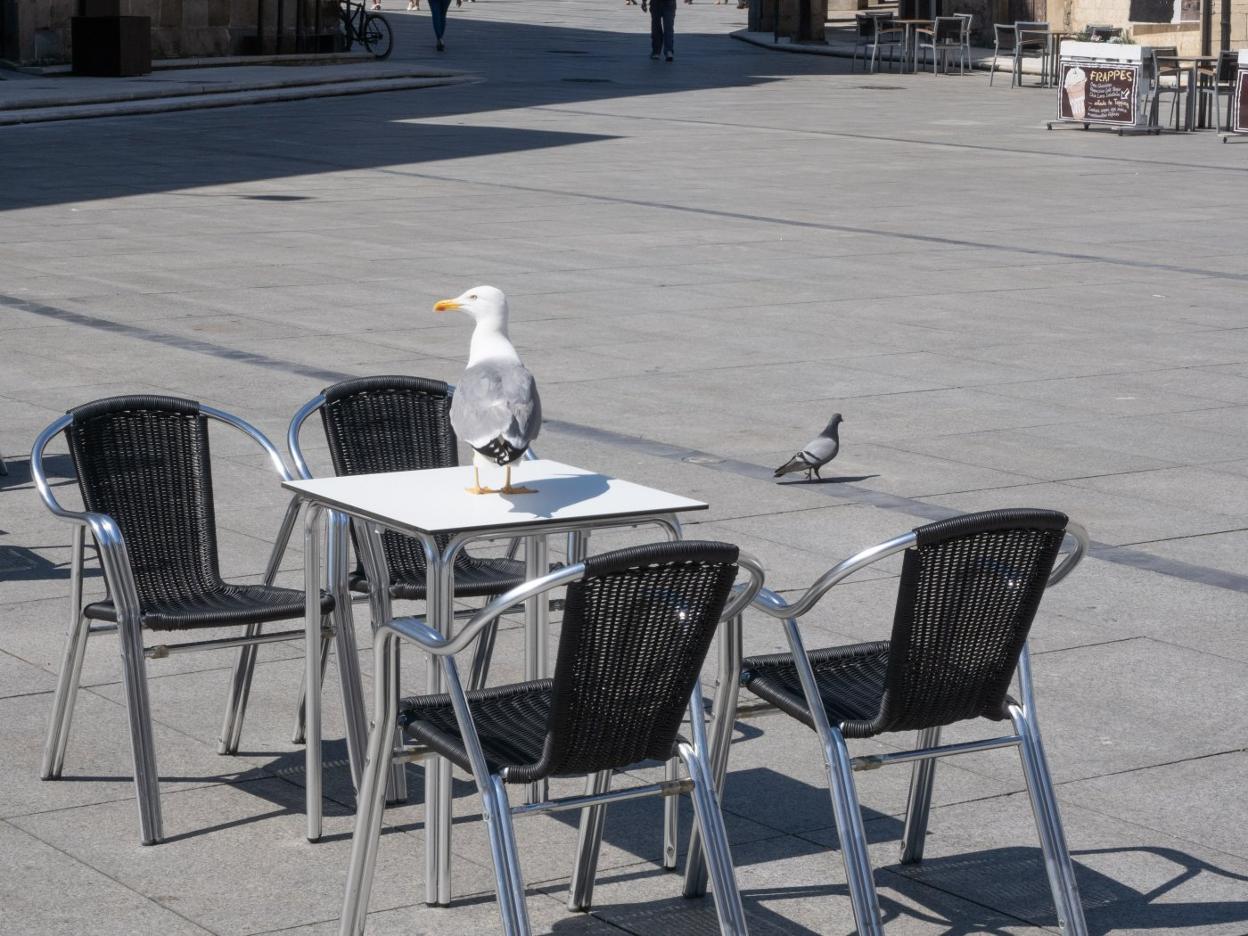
[[440, 613], [671, 804], [537, 633], [345, 647], [312, 670]]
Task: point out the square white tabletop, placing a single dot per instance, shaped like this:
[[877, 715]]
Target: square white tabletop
[[436, 500]]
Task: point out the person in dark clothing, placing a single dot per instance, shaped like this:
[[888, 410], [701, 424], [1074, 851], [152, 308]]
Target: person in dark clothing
[[662, 27], [438, 9]]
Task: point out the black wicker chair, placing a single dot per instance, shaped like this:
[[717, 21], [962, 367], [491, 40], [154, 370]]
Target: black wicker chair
[[969, 589], [636, 629], [144, 472], [372, 425]]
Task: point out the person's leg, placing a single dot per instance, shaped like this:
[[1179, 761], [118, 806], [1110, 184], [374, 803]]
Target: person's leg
[[437, 9], [656, 27], [669, 27]]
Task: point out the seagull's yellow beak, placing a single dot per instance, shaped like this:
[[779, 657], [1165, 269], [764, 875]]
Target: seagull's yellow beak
[[446, 305]]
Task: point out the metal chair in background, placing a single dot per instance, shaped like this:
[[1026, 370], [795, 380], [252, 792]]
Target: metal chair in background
[[143, 469], [1216, 81], [1004, 36], [948, 33], [636, 629], [1032, 40], [968, 593], [874, 31], [1165, 77]]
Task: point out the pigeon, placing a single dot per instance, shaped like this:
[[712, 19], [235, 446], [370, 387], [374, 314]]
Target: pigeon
[[818, 451], [495, 408]]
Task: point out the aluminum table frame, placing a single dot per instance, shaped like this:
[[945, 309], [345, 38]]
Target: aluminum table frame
[[440, 615]]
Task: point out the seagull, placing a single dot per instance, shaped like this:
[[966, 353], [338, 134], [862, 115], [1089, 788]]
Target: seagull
[[495, 408], [818, 451]]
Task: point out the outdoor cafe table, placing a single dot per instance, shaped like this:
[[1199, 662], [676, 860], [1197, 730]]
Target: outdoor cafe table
[[434, 507], [909, 41]]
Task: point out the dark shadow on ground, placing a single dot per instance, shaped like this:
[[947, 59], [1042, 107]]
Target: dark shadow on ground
[[525, 65]]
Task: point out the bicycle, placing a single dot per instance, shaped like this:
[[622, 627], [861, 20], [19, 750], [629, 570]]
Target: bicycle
[[371, 30]]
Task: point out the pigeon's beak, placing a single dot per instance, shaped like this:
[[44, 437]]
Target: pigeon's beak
[[446, 305]]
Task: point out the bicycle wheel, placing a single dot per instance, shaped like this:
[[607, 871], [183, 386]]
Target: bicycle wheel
[[378, 38]]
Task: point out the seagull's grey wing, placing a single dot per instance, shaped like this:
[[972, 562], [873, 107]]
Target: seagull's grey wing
[[497, 400], [525, 406]]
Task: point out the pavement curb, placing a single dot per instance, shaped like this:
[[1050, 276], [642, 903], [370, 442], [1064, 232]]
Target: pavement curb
[[232, 98]]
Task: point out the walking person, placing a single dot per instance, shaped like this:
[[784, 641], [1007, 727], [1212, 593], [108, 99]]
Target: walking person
[[438, 10], [662, 27]]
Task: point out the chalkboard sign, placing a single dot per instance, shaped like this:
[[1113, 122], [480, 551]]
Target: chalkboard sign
[[1098, 93], [1240, 122]]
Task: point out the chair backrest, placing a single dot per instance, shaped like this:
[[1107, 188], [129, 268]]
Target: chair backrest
[[1031, 35], [1004, 35], [144, 461], [636, 630], [1228, 65], [1160, 68], [866, 25], [969, 589], [390, 423], [967, 20], [948, 29]]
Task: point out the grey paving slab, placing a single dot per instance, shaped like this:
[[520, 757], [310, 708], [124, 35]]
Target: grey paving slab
[[47, 891]]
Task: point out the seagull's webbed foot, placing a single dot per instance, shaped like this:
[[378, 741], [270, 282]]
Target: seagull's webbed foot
[[507, 487], [476, 484]]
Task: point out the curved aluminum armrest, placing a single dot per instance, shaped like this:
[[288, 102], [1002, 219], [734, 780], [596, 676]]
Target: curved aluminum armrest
[[40, 476], [435, 643], [777, 607], [279, 464], [743, 595], [1076, 532], [292, 435]]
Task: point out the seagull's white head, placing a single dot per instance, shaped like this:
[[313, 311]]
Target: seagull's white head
[[485, 304]]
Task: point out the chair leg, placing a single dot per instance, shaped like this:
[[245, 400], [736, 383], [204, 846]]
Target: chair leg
[[588, 843], [142, 744], [715, 848], [992, 72], [1057, 862], [345, 648], [506, 830], [849, 827], [370, 806], [71, 667], [919, 806], [299, 733], [671, 817], [240, 689], [482, 656]]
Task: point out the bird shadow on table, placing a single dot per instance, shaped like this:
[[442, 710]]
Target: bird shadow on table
[[553, 494], [844, 479]]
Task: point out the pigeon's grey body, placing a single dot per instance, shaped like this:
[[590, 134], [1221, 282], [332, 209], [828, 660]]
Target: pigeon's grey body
[[496, 409], [817, 452]]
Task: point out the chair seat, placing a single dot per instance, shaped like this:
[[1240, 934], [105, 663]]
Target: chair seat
[[850, 680], [229, 605], [474, 578], [511, 723]]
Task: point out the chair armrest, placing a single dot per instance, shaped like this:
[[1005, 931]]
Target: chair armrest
[[247, 429], [434, 643], [743, 595]]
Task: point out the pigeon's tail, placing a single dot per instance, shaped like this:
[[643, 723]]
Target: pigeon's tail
[[796, 463]]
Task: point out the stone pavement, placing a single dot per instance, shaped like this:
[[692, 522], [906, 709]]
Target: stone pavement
[[705, 259]]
